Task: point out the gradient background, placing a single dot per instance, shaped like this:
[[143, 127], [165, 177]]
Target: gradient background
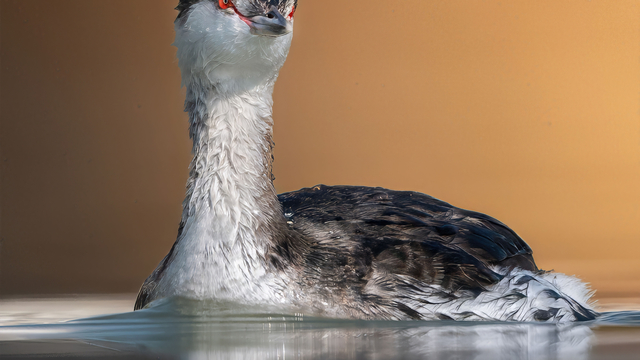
[[526, 110]]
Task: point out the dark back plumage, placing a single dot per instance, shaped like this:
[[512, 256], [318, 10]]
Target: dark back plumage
[[353, 229]]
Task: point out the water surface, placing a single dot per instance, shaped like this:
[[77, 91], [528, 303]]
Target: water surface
[[180, 329]]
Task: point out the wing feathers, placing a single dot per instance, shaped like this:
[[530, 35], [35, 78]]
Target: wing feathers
[[402, 233]]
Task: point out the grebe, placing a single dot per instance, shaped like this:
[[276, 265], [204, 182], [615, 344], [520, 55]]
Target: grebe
[[337, 251]]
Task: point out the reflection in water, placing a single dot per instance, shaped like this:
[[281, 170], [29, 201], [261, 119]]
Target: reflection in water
[[283, 341], [185, 330]]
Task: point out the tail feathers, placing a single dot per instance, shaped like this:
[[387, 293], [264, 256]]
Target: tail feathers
[[554, 297], [526, 296], [520, 296]]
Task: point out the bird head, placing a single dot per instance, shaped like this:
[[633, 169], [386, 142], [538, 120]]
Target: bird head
[[233, 44]]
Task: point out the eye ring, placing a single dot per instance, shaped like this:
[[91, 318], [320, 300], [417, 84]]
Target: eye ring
[[225, 4]]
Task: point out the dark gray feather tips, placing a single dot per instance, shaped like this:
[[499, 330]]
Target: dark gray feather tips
[[353, 230]]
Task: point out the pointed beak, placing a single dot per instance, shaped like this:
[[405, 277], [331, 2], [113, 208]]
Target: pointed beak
[[270, 24]]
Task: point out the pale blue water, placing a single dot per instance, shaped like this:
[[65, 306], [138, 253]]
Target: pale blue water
[[188, 330]]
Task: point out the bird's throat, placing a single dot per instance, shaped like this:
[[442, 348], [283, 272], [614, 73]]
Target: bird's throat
[[231, 205], [232, 146]]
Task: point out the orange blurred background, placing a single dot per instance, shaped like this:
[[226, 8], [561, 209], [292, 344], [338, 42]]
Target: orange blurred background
[[526, 110]]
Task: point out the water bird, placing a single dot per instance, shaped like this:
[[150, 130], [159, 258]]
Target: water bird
[[336, 251]]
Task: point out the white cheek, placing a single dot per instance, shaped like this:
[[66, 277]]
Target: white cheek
[[219, 47]]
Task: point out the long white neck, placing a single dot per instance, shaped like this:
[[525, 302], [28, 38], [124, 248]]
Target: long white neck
[[232, 223], [231, 210], [230, 176]]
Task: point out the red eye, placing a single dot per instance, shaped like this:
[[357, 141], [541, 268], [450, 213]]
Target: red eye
[[225, 4], [293, 11]]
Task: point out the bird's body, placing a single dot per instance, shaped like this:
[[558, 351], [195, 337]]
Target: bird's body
[[339, 251]]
